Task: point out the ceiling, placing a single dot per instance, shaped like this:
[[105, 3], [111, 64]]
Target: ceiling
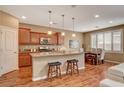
[[84, 15]]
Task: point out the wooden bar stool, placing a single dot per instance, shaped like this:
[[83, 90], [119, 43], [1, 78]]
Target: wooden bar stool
[[54, 70], [72, 67]]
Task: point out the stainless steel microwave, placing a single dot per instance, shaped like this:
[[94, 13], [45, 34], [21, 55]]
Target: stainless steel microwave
[[44, 41]]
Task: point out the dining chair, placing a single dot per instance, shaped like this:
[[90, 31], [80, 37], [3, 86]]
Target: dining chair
[[101, 57]]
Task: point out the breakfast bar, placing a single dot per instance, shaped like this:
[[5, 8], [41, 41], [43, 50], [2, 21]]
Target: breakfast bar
[[40, 62]]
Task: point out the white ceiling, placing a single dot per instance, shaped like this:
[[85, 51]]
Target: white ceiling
[[84, 14]]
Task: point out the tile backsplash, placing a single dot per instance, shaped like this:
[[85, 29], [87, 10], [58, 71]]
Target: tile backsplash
[[55, 47], [22, 47]]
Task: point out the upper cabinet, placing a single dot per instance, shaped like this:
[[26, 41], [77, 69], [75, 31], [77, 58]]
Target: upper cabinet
[[60, 39], [50, 39], [43, 35], [35, 38], [24, 36], [53, 39], [28, 37]]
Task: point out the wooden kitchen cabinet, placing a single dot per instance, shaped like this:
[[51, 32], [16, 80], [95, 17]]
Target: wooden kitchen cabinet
[[43, 35], [53, 39], [60, 39], [28, 37], [35, 38], [24, 35], [24, 60]]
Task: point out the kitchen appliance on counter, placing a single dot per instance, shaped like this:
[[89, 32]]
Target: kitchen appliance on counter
[[45, 49], [33, 50]]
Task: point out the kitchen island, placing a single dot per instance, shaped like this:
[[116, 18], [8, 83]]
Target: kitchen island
[[40, 62]]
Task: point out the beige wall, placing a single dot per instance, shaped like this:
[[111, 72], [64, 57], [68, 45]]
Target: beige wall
[[46, 29], [8, 20], [119, 57]]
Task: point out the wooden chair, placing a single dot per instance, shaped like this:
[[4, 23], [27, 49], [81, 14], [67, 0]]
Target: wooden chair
[[100, 58], [90, 58]]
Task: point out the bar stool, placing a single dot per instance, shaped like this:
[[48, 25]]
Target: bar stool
[[72, 66], [54, 70]]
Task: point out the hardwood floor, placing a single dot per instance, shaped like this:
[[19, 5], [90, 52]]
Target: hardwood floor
[[90, 77]]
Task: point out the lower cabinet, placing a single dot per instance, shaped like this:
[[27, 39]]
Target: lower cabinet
[[24, 60]]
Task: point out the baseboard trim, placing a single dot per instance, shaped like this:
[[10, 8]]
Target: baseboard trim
[[44, 77], [39, 78], [116, 62], [81, 68]]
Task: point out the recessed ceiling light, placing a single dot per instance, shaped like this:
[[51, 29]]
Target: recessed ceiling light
[[97, 16], [110, 21], [23, 17]]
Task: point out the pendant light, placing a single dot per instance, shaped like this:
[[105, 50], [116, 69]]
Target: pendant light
[[50, 23], [73, 34], [63, 34]]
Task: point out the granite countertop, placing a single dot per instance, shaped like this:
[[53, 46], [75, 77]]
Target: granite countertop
[[45, 54]]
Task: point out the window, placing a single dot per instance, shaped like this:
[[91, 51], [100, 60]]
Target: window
[[100, 40], [93, 41], [116, 41], [109, 41]]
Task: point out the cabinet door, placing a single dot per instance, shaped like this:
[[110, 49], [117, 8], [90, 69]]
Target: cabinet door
[[35, 38], [24, 60], [54, 39], [60, 39], [43, 35], [24, 36]]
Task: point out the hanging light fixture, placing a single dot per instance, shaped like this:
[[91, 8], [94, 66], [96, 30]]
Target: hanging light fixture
[[50, 23], [63, 34], [73, 34]]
